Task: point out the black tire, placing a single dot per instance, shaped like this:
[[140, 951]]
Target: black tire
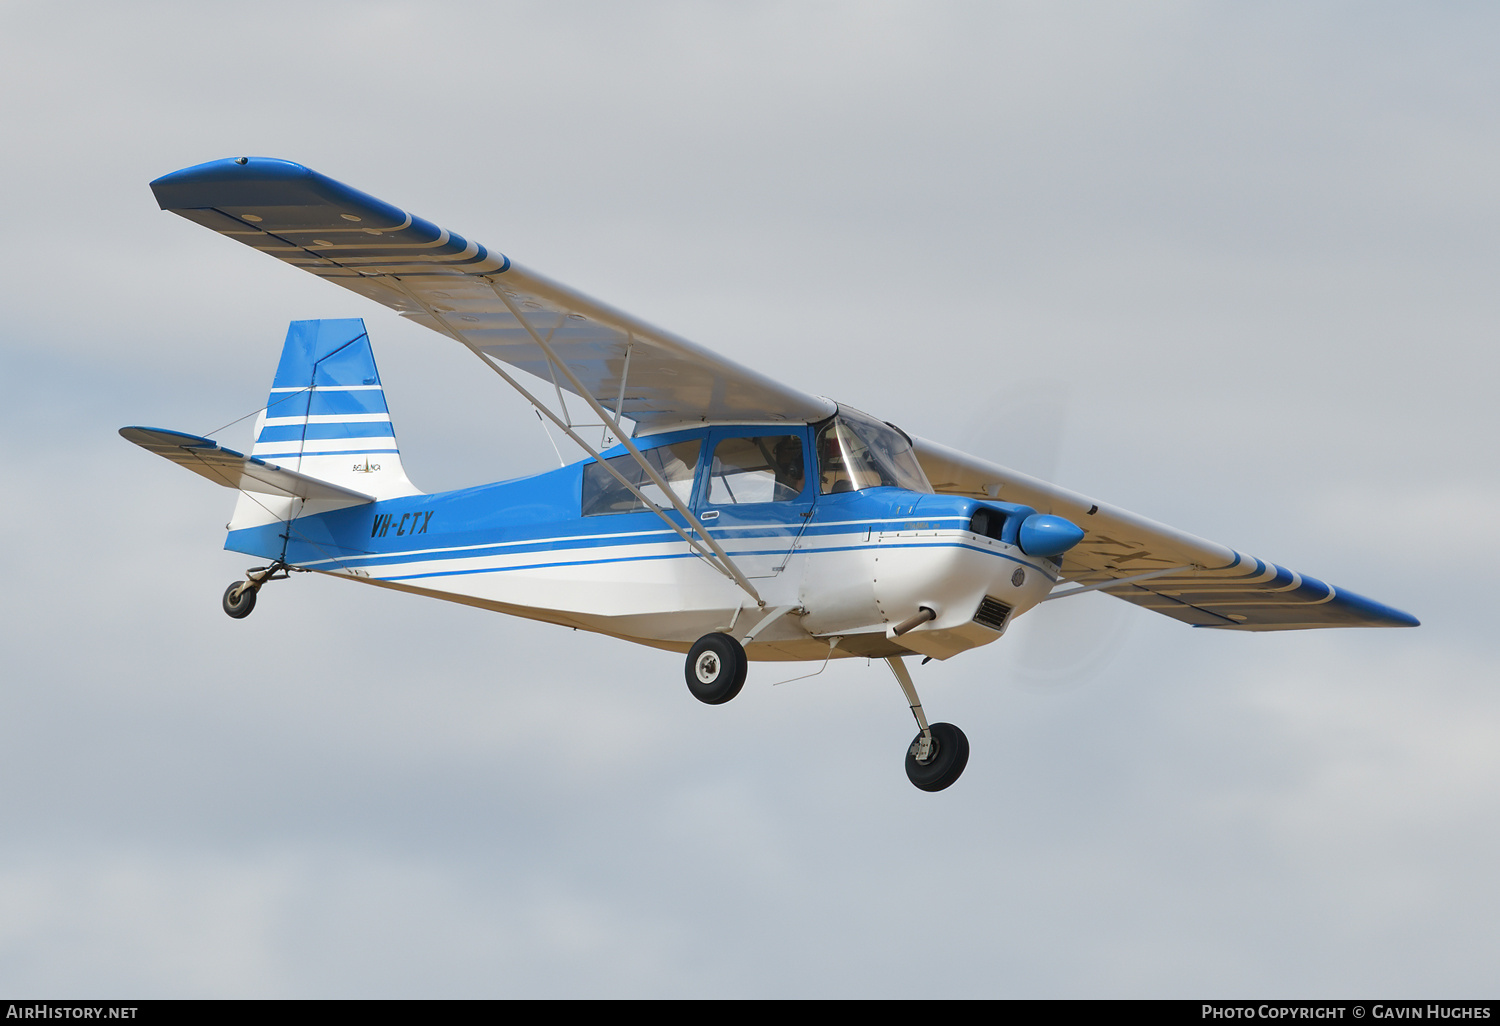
[[716, 668], [946, 764], [240, 607]]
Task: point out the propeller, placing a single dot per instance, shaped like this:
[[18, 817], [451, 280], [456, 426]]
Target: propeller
[[1068, 642]]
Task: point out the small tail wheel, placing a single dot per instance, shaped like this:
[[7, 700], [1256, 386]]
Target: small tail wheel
[[716, 668], [946, 761], [239, 599]]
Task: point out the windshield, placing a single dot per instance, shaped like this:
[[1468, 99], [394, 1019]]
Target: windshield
[[856, 451]]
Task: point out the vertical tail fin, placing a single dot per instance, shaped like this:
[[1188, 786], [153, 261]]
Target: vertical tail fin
[[327, 418]]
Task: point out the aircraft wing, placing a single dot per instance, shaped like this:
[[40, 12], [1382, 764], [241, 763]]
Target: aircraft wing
[[475, 295], [205, 457], [1200, 582]]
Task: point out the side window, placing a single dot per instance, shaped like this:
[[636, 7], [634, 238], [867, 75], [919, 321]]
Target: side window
[[675, 463], [766, 468]]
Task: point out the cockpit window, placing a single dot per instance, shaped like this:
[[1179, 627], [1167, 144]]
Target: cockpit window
[[767, 468], [856, 451]]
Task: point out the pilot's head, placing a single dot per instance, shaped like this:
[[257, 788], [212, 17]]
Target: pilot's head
[[787, 455]]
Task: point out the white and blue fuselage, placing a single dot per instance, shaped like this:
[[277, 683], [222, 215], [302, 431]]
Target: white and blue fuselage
[[851, 564]]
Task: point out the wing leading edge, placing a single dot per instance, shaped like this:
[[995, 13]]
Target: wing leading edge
[[1176, 574], [474, 294]]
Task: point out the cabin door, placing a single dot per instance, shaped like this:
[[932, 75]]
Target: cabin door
[[757, 494]]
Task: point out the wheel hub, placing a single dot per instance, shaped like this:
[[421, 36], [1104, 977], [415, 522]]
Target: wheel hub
[[924, 749], [707, 667]]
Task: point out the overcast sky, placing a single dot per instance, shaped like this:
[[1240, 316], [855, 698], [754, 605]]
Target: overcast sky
[[1232, 267]]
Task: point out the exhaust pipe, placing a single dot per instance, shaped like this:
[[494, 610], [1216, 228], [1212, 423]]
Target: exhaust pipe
[[911, 623]]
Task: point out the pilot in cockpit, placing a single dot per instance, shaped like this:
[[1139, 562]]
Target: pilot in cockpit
[[786, 461]]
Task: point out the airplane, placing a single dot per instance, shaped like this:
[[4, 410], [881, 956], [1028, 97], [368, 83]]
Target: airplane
[[720, 513]]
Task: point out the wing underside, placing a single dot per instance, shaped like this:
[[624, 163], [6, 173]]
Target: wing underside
[[476, 295], [1165, 570]]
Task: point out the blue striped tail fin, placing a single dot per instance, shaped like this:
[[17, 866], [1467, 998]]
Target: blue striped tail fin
[[326, 416]]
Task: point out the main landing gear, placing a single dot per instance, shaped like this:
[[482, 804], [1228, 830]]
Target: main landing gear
[[939, 753], [715, 672], [239, 597], [716, 668]]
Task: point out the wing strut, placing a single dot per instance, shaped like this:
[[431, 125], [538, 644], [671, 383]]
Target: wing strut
[[717, 558], [614, 425], [620, 402]]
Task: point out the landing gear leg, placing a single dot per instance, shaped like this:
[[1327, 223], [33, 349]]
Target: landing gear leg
[[939, 753], [716, 668], [239, 597]]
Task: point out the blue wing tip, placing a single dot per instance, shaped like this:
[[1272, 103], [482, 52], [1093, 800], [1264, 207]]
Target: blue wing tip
[[277, 195], [1377, 614], [255, 181], [178, 189]]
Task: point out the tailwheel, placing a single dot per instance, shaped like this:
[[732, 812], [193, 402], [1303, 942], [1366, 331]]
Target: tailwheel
[[716, 668], [239, 599], [943, 761]]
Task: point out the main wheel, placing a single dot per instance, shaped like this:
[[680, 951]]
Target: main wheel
[[239, 606], [946, 763], [716, 668]]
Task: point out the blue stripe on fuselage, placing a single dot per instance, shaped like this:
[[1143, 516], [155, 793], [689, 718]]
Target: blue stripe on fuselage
[[541, 514]]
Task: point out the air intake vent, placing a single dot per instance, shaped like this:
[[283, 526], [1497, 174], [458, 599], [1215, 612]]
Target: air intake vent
[[992, 614], [988, 522]]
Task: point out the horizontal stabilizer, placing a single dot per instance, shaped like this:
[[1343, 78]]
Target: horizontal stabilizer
[[204, 456]]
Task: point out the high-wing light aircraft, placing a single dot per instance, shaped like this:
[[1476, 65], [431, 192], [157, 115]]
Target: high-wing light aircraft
[[735, 519]]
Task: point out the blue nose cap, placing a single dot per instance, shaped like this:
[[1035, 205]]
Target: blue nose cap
[[1043, 534]]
